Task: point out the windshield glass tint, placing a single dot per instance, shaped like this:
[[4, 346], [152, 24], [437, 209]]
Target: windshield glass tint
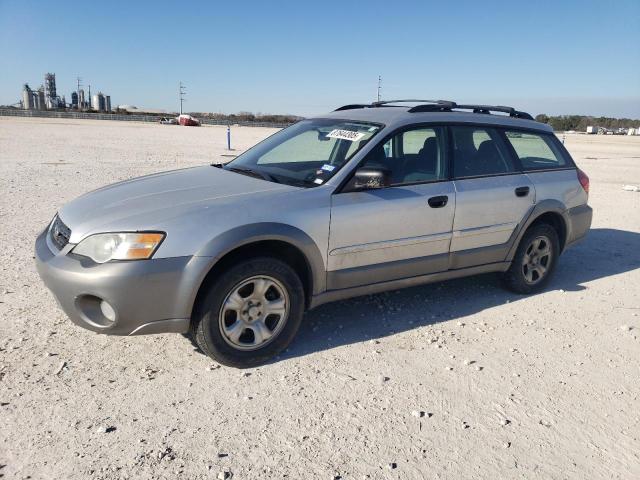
[[307, 153]]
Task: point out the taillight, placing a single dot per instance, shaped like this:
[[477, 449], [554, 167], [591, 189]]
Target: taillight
[[584, 180]]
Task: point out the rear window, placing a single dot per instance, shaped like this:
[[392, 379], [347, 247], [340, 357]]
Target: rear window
[[536, 152]]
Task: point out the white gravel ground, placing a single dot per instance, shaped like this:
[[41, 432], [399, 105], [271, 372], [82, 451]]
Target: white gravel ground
[[453, 380]]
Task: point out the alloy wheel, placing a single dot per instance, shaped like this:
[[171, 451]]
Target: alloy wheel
[[254, 312], [536, 260]]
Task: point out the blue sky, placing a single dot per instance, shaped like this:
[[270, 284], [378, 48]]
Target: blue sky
[[305, 58]]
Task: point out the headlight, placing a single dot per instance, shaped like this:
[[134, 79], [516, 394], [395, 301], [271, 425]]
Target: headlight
[[119, 246]]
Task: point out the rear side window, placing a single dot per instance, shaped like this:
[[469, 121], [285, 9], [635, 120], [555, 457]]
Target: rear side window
[[479, 151], [536, 152]]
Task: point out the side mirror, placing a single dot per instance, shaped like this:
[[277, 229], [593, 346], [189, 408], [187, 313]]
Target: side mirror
[[370, 179]]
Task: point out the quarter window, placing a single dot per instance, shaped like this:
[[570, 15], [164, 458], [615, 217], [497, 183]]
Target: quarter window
[[412, 156], [479, 151], [535, 151]]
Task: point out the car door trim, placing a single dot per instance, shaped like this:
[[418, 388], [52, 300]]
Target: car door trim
[[371, 288], [400, 242], [387, 271], [469, 232], [462, 240]]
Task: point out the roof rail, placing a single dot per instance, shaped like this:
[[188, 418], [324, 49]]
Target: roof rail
[[496, 108], [441, 106], [438, 106], [387, 102], [384, 103], [352, 106]]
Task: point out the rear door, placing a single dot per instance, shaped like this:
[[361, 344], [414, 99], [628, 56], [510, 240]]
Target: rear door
[[400, 231], [492, 196]]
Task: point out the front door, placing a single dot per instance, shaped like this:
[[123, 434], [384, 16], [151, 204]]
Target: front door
[[400, 231]]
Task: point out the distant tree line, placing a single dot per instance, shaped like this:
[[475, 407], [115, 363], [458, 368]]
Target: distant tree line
[[562, 123], [247, 117]]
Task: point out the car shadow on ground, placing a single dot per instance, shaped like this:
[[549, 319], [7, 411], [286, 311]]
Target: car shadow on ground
[[605, 252]]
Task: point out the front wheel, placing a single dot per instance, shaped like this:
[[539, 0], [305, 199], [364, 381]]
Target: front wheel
[[534, 260], [250, 313]]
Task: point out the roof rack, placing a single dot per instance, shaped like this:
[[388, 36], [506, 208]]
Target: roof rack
[[441, 106], [381, 103], [352, 106], [496, 108], [385, 103]]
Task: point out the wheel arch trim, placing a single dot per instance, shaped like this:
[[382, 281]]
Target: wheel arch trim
[[218, 247], [546, 206]]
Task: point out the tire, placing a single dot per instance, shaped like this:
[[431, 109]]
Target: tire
[[530, 269], [250, 313]]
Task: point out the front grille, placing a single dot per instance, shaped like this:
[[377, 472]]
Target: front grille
[[59, 233]]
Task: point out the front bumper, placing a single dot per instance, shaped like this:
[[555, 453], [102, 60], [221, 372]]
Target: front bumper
[[146, 296]]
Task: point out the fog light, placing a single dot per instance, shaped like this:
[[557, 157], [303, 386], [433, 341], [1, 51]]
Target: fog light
[[96, 311], [108, 311]]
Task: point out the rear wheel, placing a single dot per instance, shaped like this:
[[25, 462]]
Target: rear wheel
[[534, 260], [250, 313]]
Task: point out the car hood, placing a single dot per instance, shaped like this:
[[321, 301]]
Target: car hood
[[145, 202]]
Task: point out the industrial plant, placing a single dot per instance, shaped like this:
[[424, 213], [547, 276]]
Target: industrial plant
[[46, 98]]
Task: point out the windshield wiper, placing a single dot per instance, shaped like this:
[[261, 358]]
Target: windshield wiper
[[253, 173]]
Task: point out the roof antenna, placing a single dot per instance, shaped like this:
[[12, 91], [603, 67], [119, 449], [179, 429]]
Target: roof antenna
[[379, 86]]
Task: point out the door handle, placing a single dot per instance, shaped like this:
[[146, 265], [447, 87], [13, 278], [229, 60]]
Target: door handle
[[439, 201], [522, 191]]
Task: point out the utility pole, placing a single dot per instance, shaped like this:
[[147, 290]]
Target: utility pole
[[182, 94], [79, 80], [89, 99], [379, 86]]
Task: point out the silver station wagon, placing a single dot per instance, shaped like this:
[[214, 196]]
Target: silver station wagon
[[367, 198]]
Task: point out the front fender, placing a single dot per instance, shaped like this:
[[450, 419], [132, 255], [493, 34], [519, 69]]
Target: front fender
[[224, 243]]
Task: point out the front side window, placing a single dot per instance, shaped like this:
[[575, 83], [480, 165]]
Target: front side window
[[307, 153], [479, 151], [412, 156], [535, 151]]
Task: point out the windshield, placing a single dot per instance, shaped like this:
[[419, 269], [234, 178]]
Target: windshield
[[307, 153]]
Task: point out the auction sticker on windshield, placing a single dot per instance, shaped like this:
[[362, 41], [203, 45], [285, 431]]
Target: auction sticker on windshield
[[345, 135]]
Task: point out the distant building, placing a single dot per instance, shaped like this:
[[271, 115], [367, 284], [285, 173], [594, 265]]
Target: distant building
[[81, 101], [50, 92], [98, 103], [46, 98], [27, 98], [40, 103]]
